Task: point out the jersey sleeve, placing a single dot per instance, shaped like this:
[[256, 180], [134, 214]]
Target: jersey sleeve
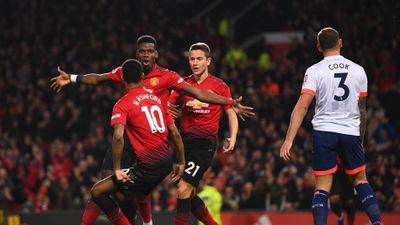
[[176, 82], [226, 92], [173, 98], [116, 75], [363, 86], [119, 116], [168, 118], [309, 83]]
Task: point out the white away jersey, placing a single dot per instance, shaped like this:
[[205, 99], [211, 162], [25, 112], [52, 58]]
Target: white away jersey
[[337, 83]]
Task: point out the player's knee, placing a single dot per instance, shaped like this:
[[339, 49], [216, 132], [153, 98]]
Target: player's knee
[[95, 192], [185, 190], [334, 199]]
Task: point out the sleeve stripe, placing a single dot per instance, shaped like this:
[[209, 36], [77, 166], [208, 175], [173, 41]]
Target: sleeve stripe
[[308, 91], [363, 94]]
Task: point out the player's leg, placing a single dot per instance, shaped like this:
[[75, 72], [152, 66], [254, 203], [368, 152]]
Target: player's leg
[[353, 160], [198, 155], [350, 208], [324, 165], [335, 197], [100, 194], [144, 208]]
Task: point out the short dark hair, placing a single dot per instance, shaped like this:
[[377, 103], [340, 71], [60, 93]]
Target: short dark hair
[[201, 46], [146, 39], [132, 71], [328, 38]]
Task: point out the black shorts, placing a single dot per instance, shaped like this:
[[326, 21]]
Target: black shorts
[[342, 186], [199, 154], [145, 177], [127, 158]]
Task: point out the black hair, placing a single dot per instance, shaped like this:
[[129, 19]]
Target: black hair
[[132, 71], [328, 38], [201, 46], [147, 39]]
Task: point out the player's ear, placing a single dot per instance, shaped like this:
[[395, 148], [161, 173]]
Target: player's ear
[[208, 61], [340, 43], [319, 47], [156, 54]]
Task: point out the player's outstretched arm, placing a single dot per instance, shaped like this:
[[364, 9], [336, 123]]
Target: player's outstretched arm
[[233, 130], [64, 79], [117, 148], [209, 97], [298, 114], [176, 138]]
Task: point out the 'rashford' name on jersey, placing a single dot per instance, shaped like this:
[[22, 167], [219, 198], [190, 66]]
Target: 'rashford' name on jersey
[[146, 119]]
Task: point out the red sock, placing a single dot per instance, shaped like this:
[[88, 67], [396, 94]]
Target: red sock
[[144, 207], [92, 211], [118, 218], [200, 211], [182, 218]]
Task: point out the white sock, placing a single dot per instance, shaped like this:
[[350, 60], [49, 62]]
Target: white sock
[[149, 223]]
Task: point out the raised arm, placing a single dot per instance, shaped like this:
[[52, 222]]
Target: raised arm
[[233, 130], [209, 97], [176, 138], [64, 79], [298, 114]]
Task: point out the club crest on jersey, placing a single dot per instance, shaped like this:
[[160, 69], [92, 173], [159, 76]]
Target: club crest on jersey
[[305, 78], [196, 104], [154, 81]]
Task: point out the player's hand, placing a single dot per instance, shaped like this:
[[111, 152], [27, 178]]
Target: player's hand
[[123, 177], [60, 81], [174, 110], [285, 150], [177, 172], [241, 110], [229, 145]]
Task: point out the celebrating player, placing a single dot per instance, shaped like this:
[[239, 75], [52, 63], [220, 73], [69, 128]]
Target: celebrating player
[[340, 88], [147, 122], [161, 81], [199, 129]]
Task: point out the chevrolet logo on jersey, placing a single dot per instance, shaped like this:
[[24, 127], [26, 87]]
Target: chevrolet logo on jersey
[[196, 104]]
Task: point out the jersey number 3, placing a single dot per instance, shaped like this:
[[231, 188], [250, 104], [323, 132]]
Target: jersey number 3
[[346, 89], [151, 118]]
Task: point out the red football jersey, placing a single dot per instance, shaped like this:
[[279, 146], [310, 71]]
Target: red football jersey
[[162, 81], [201, 120], [146, 119]]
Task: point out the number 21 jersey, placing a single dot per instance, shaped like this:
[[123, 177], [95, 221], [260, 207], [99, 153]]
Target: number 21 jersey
[[337, 83]]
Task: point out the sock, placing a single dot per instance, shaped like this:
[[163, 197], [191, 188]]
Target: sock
[[118, 218], [200, 211], [320, 207], [92, 211], [182, 215], [129, 210], [350, 218], [144, 208], [149, 223], [368, 200]]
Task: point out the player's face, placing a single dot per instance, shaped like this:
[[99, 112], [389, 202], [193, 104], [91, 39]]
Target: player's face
[[147, 55], [199, 62]]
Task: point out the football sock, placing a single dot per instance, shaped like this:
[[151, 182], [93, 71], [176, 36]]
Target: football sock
[[182, 215], [320, 207], [200, 211], [368, 200], [92, 211], [144, 208]]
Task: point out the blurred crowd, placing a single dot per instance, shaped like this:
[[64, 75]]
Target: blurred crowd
[[52, 144]]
